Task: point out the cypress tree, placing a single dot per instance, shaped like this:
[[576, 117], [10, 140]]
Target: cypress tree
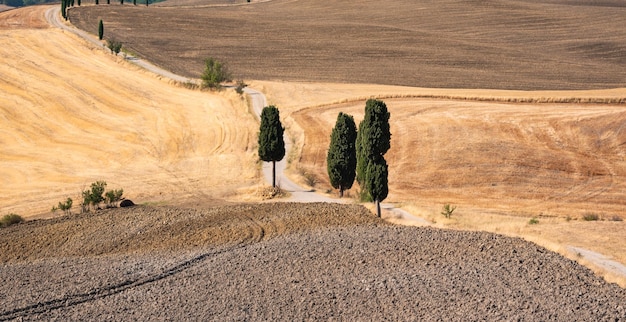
[[134, 2], [97, 2], [341, 158], [78, 2], [64, 9], [373, 141], [271, 142], [377, 183], [100, 29]]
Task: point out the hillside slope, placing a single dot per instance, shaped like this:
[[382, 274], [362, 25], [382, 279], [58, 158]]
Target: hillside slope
[[70, 114]]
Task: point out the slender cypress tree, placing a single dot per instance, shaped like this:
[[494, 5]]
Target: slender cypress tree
[[134, 2], [377, 183], [373, 141], [64, 9], [78, 2], [97, 2], [271, 141], [100, 29], [341, 158]]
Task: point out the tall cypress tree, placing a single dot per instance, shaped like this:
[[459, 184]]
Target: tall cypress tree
[[377, 182], [341, 158], [271, 141], [373, 141], [100, 28]]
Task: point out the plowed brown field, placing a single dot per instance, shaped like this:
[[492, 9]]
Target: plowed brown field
[[284, 262], [508, 44]]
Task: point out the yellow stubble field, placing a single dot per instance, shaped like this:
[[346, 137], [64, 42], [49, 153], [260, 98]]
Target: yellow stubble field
[[71, 114], [502, 157]]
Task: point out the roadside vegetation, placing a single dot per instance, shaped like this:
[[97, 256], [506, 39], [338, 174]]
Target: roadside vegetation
[[10, 219], [215, 73]]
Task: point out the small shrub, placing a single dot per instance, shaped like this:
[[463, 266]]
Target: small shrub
[[10, 219], [215, 73], [114, 45], [447, 210], [113, 196], [591, 217], [65, 206], [533, 221], [240, 86], [616, 218]]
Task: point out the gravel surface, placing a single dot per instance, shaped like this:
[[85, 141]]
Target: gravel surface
[[284, 261]]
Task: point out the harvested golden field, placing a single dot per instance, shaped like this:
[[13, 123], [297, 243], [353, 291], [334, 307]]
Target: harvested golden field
[[507, 44], [501, 163], [70, 114]]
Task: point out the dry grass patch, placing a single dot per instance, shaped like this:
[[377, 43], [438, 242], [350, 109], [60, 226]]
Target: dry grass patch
[[70, 114]]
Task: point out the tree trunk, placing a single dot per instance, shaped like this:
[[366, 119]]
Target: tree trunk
[[378, 208], [340, 191], [273, 174]]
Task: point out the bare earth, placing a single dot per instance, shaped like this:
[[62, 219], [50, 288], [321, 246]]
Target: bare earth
[[285, 262], [506, 44]]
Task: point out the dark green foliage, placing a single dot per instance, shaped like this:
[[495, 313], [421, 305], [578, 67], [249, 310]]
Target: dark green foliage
[[78, 2], [100, 28], [240, 86], [341, 158], [97, 2], [10, 219], [121, 1], [271, 141], [376, 133], [113, 196], [361, 158], [65, 206], [134, 2], [64, 9], [376, 181], [108, 1], [114, 45], [214, 74], [94, 196], [591, 217], [373, 141]]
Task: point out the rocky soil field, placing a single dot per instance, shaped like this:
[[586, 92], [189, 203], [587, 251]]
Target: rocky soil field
[[284, 261]]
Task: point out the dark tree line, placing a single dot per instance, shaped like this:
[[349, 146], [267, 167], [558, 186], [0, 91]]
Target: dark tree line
[[361, 154]]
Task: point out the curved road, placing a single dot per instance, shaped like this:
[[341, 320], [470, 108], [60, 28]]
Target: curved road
[[258, 101]]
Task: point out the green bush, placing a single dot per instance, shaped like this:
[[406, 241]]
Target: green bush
[[114, 45], [65, 206], [591, 217], [10, 219], [113, 196], [533, 221], [240, 86], [447, 210], [215, 73]]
